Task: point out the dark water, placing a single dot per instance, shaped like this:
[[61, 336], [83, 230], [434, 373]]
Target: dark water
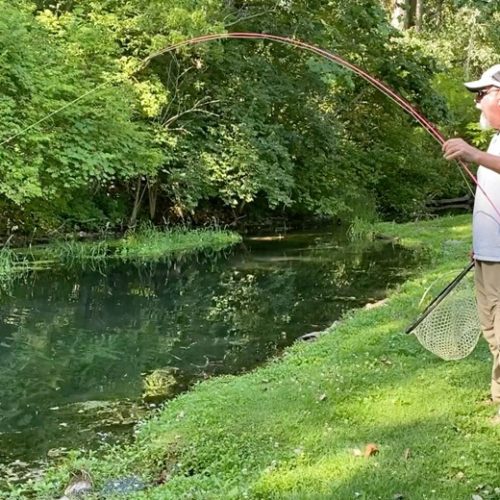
[[81, 351]]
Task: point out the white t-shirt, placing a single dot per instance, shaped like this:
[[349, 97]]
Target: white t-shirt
[[485, 220]]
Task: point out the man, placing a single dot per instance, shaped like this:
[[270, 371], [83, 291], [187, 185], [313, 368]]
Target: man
[[486, 220]]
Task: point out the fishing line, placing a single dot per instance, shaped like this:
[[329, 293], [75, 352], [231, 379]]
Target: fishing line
[[50, 115]]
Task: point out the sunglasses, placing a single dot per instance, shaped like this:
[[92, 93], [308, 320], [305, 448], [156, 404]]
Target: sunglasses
[[481, 93]]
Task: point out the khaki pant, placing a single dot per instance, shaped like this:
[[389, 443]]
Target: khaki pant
[[487, 279]]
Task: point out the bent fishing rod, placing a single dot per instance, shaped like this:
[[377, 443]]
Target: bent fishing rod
[[385, 89]]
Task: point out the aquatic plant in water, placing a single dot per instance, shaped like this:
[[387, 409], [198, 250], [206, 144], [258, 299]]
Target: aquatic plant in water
[[12, 266]]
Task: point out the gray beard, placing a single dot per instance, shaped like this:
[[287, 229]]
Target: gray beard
[[484, 123]]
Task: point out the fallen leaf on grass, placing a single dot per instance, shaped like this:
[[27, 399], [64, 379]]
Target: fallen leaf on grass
[[371, 449]]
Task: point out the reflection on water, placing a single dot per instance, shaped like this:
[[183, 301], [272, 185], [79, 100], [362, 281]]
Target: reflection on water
[[81, 349]]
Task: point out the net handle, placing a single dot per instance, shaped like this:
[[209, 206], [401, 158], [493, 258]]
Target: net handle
[[440, 297]]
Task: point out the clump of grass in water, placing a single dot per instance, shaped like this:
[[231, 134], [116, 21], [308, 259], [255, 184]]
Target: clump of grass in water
[[6, 262], [75, 251], [148, 242], [361, 229], [12, 266]]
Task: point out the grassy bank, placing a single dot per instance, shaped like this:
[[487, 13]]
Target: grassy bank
[[295, 427]]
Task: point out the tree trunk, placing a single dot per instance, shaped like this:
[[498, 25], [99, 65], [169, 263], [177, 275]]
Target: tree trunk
[[419, 12], [139, 194], [400, 14], [153, 197]]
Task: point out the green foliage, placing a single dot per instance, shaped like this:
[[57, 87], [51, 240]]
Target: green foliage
[[462, 38], [146, 244], [49, 61], [235, 127]]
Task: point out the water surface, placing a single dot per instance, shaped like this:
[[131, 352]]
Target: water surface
[[82, 350]]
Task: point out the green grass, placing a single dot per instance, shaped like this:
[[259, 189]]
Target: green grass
[[149, 243], [287, 430], [146, 243], [12, 266], [361, 229], [72, 251]]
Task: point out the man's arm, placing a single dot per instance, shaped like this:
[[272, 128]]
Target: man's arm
[[458, 149], [489, 161]]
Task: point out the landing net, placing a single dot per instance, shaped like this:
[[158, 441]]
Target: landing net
[[449, 326]]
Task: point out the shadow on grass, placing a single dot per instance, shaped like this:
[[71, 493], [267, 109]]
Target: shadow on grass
[[432, 458]]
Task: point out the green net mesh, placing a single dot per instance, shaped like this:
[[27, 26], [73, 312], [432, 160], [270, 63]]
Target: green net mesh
[[451, 330]]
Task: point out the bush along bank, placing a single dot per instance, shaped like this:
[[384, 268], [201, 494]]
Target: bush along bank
[[363, 412]]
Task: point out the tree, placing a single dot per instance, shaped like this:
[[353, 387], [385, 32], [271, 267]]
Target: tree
[[401, 14], [228, 129]]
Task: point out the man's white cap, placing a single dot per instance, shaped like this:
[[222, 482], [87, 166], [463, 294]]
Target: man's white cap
[[490, 78]]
